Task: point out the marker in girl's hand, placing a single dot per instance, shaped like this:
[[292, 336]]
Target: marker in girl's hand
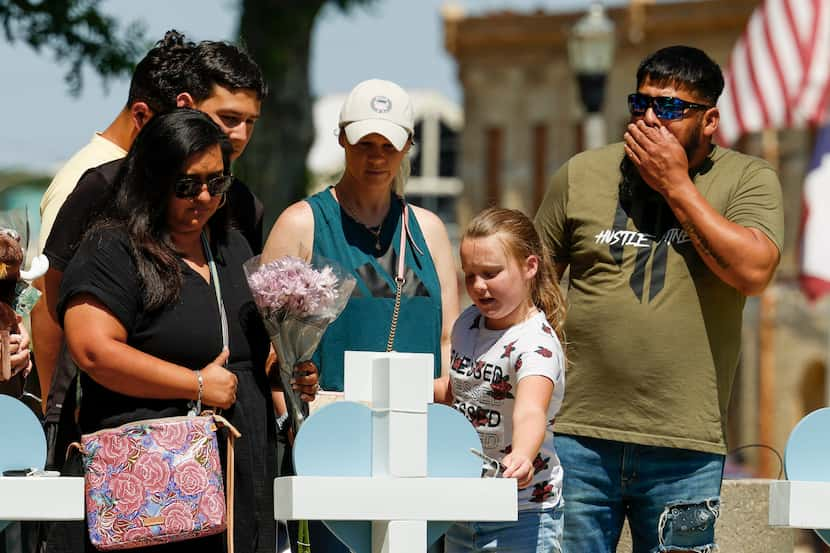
[[489, 463]]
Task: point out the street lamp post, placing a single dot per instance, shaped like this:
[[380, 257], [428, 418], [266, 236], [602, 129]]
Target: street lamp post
[[591, 53]]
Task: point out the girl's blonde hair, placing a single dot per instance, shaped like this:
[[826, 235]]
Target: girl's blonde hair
[[521, 240]]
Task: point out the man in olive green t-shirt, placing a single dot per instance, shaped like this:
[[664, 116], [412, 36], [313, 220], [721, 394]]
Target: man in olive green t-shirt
[[665, 235]]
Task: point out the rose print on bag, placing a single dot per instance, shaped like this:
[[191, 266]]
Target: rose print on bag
[[177, 519], [137, 533], [127, 491], [114, 449], [96, 473], [191, 477], [171, 436], [153, 470], [212, 506]]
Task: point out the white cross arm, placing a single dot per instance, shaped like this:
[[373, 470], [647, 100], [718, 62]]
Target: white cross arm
[[798, 504], [41, 498], [413, 499]]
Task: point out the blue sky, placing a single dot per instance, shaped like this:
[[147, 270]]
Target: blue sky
[[401, 40]]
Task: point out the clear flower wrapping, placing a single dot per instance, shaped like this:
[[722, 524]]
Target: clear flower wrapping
[[297, 300]]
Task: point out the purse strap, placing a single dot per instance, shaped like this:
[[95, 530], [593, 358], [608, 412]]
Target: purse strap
[[217, 288], [233, 433], [399, 276]]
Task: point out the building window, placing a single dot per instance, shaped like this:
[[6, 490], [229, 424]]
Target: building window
[[540, 163], [494, 140], [416, 158], [448, 157]]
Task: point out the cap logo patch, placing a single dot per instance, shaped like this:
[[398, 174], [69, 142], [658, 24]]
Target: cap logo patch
[[380, 104]]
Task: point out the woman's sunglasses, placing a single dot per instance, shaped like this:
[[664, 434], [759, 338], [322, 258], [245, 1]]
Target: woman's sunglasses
[[665, 107], [189, 186]]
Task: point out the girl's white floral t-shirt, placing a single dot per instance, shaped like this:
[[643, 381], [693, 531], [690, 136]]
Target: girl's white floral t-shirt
[[486, 368]]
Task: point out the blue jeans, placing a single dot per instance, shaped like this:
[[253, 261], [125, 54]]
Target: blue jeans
[[534, 532], [670, 496]]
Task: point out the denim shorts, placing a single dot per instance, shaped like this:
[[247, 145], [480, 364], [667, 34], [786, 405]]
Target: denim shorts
[[534, 532], [670, 496]]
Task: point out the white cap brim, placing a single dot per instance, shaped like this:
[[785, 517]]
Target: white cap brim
[[393, 132]]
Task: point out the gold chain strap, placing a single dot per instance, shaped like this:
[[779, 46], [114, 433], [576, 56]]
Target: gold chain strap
[[399, 278], [394, 326]]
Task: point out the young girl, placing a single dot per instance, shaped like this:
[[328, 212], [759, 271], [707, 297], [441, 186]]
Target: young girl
[[507, 376]]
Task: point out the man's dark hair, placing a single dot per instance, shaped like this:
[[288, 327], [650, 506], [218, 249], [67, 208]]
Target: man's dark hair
[[159, 77], [683, 67], [223, 64], [146, 183]]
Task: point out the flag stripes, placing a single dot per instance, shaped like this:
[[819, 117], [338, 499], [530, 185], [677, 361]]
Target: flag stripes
[[814, 253], [779, 70]]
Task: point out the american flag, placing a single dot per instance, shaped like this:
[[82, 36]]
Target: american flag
[[779, 70], [815, 220]]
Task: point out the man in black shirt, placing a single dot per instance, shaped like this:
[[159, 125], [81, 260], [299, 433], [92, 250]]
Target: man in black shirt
[[157, 80], [218, 79]]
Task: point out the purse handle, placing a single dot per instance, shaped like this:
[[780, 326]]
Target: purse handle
[[217, 288], [233, 433], [399, 277]]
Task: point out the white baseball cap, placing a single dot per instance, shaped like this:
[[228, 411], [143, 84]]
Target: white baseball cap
[[378, 106]]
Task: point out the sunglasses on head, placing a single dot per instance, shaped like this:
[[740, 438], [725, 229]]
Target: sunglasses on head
[[190, 186], [665, 107]]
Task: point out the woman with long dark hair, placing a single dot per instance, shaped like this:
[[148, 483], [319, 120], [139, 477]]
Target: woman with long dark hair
[[141, 316]]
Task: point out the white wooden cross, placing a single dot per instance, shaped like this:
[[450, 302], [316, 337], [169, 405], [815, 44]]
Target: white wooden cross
[[41, 498], [399, 498], [22, 446]]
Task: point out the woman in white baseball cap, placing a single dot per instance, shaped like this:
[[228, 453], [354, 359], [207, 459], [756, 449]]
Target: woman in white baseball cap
[[358, 222], [364, 223]]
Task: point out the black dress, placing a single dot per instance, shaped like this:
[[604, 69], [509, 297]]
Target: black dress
[[189, 334]]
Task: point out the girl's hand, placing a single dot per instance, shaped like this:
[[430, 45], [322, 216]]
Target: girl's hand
[[519, 467], [219, 383], [304, 381]]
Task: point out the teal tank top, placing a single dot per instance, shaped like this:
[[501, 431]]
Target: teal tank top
[[364, 324]]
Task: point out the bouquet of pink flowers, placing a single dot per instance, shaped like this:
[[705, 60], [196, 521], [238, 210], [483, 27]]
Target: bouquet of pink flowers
[[297, 301]]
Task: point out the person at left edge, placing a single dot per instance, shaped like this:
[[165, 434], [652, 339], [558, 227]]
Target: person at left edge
[[140, 313]]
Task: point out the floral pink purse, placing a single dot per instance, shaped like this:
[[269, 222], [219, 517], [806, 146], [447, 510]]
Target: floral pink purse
[[160, 480], [157, 481]]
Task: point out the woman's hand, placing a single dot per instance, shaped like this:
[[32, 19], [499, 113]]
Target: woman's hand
[[305, 380], [19, 353], [219, 384], [519, 467]]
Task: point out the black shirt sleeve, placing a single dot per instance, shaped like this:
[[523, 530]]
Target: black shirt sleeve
[[103, 266], [87, 199]]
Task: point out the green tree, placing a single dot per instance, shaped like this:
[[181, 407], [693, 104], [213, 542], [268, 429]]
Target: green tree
[[277, 34], [77, 33]]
